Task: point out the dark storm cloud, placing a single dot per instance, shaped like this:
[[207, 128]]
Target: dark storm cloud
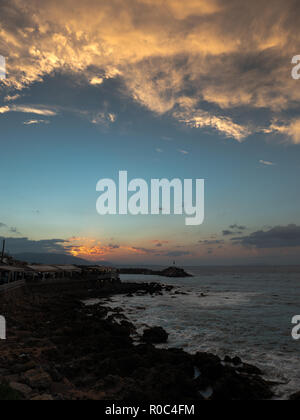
[[229, 233], [277, 237], [211, 242], [238, 227], [112, 246], [19, 245], [234, 230]]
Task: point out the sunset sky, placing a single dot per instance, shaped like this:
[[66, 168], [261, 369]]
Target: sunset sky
[[162, 89]]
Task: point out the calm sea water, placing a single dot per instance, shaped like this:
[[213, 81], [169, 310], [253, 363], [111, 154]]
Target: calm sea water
[[242, 314]]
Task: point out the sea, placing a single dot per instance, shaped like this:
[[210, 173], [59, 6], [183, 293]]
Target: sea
[[228, 311]]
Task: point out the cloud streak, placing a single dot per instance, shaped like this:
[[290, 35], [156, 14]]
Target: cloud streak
[[266, 163], [224, 125], [27, 109], [36, 122]]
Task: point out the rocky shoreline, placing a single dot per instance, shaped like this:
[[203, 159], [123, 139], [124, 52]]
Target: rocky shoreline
[[60, 349]]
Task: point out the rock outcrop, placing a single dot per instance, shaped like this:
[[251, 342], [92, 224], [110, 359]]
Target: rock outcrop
[[168, 272], [155, 335]]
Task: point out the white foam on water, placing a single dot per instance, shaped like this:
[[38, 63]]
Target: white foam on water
[[92, 302]]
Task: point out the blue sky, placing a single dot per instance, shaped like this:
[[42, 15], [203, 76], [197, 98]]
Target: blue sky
[[65, 125]]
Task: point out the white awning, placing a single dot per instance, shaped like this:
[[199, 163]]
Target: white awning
[[72, 268], [11, 268], [44, 268]]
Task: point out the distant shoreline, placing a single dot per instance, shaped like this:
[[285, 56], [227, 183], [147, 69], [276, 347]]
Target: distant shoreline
[[222, 269], [172, 272]]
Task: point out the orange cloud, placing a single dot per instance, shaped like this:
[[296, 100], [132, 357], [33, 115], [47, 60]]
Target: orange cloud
[[85, 251], [92, 249], [290, 129], [225, 53]]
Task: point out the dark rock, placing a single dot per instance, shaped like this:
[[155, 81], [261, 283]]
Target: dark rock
[[20, 368], [155, 335], [233, 386], [9, 394], [129, 326], [55, 375], [175, 272], [43, 397], [37, 378], [203, 359], [209, 365], [295, 397], [237, 361], [249, 369], [22, 389], [168, 272]]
